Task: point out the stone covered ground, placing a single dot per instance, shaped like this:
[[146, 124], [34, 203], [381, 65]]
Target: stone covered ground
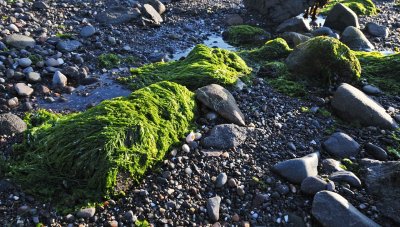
[[194, 186]]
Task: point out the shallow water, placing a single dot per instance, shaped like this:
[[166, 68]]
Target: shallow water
[[319, 21]]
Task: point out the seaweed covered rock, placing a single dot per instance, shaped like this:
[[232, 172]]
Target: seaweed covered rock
[[381, 70], [83, 157], [324, 60], [360, 7], [271, 51], [201, 67], [245, 34]]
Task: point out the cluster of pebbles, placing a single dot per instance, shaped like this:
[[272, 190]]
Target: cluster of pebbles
[[195, 185]]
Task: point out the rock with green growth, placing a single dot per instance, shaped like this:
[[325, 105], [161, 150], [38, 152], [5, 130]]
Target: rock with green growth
[[109, 61], [272, 50], [381, 70], [324, 61], [245, 34], [203, 66], [360, 7], [80, 158]]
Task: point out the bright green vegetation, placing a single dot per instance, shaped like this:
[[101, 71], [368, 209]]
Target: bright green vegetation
[[80, 158], [143, 223], [203, 66], [360, 7], [349, 165], [305, 109], [35, 58], [288, 87], [109, 61], [245, 34], [381, 70], [272, 50], [324, 61], [64, 35], [394, 149]]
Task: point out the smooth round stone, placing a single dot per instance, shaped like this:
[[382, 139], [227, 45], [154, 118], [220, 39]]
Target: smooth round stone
[[221, 180], [24, 62], [185, 148], [13, 27], [33, 77], [371, 90], [87, 31], [52, 62], [376, 151]]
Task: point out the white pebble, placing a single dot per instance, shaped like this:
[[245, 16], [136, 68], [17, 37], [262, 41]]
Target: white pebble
[[191, 137], [286, 217], [278, 220], [185, 148], [197, 136]]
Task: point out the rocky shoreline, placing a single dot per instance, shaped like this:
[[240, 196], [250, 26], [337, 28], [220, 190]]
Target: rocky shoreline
[[265, 173]]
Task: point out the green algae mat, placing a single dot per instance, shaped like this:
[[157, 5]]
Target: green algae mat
[[360, 7], [81, 158], [203, 66]]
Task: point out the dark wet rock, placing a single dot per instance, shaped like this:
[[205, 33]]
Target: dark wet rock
[[313, 184], [11, 123], [221, 180], [294, 38], [331, 210], [117, 15], [221, 101], [39, 5], [86, 212], [322, 31], [340, 17], [213, 205], [294, 25], [68, 45], [87, 31], [341, 145], [151, 13], [377, 30], [234, 19], [20, 41], [130, 217], [356, 40], [382, 179], [225, 136], [346, 176], [296, 170], [371, 90], [353, 105], [277, 11], [376, 151], [22, 89]]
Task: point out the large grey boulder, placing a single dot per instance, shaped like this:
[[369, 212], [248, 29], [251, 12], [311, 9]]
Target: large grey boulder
[[20, 41], [11, 124], [382, 179], [341, 145], [332, 210], [277, 11], [117, 15], [353, 105], [340, 17], [312, 185], [356, 40], [296, 170], [294, 24], [225, 136], [221, 101]]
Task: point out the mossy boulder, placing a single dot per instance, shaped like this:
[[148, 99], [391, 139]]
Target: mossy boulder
[[83, 157], [324, 61], [360, 7], [272, 50], [203, 66], [381, 70], [245, 34]]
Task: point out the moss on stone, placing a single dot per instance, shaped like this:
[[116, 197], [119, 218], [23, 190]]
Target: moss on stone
[[83, 157], [381, 70], [109, 61], [245, 34], [272, 50], [324, 61], [203, 66], [360, 7], [288, 87]]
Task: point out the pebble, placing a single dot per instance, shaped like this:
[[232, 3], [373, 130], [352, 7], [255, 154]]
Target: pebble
[[185, 148], [213, 206], [24, 62], [221, 180]]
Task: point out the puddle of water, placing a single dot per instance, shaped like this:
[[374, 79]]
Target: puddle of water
[[106, 89], [212, 41], [319, 21]]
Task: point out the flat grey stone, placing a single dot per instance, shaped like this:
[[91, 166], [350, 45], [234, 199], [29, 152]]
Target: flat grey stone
[[294, 24], [341, 145], [68, 45], [151, 13], [313, 184], [86, 212], [213, 205], [356, 40], [225, 136], [117, 15], [340, 17], [296, 170], [332, 210], [221, 101], [87, 31], [33, 77], [22, 89], [346, 176], [20, 41], [353, 105], [376, 151], [11, 124]]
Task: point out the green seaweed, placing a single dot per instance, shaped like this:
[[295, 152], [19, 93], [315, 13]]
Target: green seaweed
[[244, 34], [324, 61], [288, 87], [381, 70], [64, 35], [201, 67], [273, 50], [35, 58], [109, 60], [80, 158], [360, 7], [143, 223], [324, 112]]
